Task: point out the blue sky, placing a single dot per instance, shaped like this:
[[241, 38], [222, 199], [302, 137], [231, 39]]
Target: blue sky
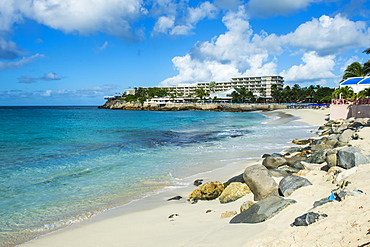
[[68, 52]]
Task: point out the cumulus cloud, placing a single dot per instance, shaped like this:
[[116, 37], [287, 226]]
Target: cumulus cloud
[[113, 17], [20, 63], [241, 52], [9, 14], [84, 16], [313, 67], [163, 24], [328, 35], [238, 52], [266, 8], [184, 26], [47, 77]]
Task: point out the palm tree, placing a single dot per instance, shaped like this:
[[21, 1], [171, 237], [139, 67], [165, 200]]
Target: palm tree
[[200, 92], [367, 51], [212, 86], [364, 93], [344, 93], [357, 70]]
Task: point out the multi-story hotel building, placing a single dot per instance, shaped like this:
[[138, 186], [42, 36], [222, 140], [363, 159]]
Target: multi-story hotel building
[[258, 85]]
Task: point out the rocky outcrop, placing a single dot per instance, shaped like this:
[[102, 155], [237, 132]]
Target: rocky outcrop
[[233, 192], [291, 183], [260, 181], [333, 148], [349, 157], [263, 210], [207, 191], [171, 106], [273, 162]]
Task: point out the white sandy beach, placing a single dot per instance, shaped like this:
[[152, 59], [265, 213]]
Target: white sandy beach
[[146, 222]]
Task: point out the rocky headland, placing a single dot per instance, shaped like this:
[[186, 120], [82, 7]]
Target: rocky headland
[[170, 106]]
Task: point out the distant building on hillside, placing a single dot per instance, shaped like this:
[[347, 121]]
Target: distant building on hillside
[[356, 83], [260, 86], [113, 97]]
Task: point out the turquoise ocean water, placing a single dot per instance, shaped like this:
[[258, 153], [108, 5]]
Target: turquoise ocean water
[[60, 165]]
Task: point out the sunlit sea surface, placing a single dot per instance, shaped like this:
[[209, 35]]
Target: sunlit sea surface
[[60, 165]]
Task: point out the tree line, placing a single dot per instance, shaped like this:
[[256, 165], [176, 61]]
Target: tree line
[[240, 95]]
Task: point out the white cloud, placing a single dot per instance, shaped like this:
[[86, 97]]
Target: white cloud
[[184, 25], [205, 10], [47, 93], [51, 76], [265, 8], [164, 24], [9, 14], [236, 53], [20, 63], [328, 35], [113, 17], [314, 67]]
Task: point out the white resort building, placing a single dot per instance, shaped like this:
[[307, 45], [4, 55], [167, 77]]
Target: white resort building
[[356, 83], [260, 86]]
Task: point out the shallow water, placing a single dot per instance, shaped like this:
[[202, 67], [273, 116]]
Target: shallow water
[[60, 165]]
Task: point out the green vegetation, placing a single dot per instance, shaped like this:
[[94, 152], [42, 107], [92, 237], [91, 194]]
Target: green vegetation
[[241, 95], [201, 93], [357, 70], [344, 93], [311, 94]]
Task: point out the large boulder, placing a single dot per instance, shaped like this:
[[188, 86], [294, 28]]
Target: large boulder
[[318, 156], [290, 161], [349, 157], [260, 181], [262, 210], [273, 162], [346, 136], [233, 192], [291, 183], [207, 191]]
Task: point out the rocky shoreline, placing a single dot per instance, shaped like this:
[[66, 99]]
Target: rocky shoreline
[[170, 106], [272, 182]]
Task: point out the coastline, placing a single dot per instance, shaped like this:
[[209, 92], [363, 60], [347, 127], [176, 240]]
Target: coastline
[[193, 226]]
